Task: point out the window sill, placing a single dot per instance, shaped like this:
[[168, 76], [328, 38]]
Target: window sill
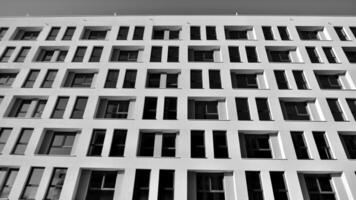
[[55, 155]]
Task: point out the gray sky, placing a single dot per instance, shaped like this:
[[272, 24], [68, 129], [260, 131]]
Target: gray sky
[[157, 7]]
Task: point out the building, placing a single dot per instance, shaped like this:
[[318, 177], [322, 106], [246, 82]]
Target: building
[[178, 107]]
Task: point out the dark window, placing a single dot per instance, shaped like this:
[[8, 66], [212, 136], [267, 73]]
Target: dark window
[[22, 141], [69, 33], [308, 35], [53, 33], [210, 186], [197, 144], [196, 79], [101, 185], [97, 142], [79, 54], [166, 185], [258, 146], [352, 106], [319, 186], [267, 32], [39, 108], [251, 54], [206, 110], [170, 108], [7, 54], [278, 56], [31, 78], [300, 80], [301, 148], [174, 34], [341, 33], [124, 56], [200, 56], [350, 54], [57, 143], [168, 145], [214, 79], [353, 30], [32, 183], [349, 144], [328, 81], [210, 33], [244, 80], [4, 135], [111, 78], [153, 80], [49, 78], [47, 55], [231, 34], [56, 184], [172, 81], [156, 54], [115, 109], [254, 187], [280, 190], [123, 32], [313, 54], [283, 32], [9, 177], [322, 145], [20, 108], [3, 31], [158, 34], [130, 78], [60, 107], [118, 143], [234, 54], [96, 54], [149, 109], [24, 34], [330, 55], [220, 144], [6, 79], [79, 108], [81, 80], [142, 184], [195, 32], [21, 56], [335, 109], [173, 54], [295, 110], [243, 112], [263, 109], [94, 34], [138, 33]]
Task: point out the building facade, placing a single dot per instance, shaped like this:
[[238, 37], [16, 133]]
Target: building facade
[[178, 107]]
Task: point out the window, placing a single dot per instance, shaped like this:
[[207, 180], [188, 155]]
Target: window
[[79, 108], [352, 29], [95, 33], [264, 113], [4, 135], [21, 56], [138, 33], [22, 141], [68, 34], [156, 54], [240, 80], [210, 186], [27, 33], [328, 81], [283, 32], [3, 31], [122, 55], [197, 144], [220, 144], [196, 79], [336, 110], [111, 78], [242, 108], [350, 53], [96, 54], [162, 79], [142, 184], [49, 78], [101, 185], [206, 110], [27, 107], [165, 144], [51, 55], [7, 179], [295, 110], [214, 79], [267, 32], [118, 143], [319, 186], [312, 33], [57, 142], [210, 32], [330, 55], [341, 33], [204, 54], [97, 142], [60, 107], [173, 54], [113, 108], [5, 57], [123, 32], [281, 79], [31, 78], [195, 33], [301, 148], [278, 56], [313, 54], [349, 143], [79, 54], [166, 185], [300, 80], [80, 80], [254, 187], [7, 78], [130, 78], [56, 183], [322, 145], [239, 32], [352, 105], [234, 54], [280, 190], [149, 109], [256, 146], [166, 32], [170, 108], [53, 33], [251, 54], [32, 183]]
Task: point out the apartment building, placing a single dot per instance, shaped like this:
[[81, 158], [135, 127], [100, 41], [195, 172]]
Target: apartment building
[[178, 107]]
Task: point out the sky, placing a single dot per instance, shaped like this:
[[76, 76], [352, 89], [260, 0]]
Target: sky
[[176, 7]]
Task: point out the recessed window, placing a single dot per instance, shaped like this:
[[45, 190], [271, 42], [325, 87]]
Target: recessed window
[[117, 148], [95, 33], [210, 32], [138, 33], [312, 33], [31, 78], [156, 54], [220, 144], [322, 145], [300, 80], [97, 142], [166, 185], [8, 178], [60, 107], [300, 146], [27, 33], [206, 108], [49, 78], [114, 108], [150, 108], [352, 105], [22, 141], [123, 32], [281, 79], [278, 56], [68, 34], [96, 54], [349, 143], [197, 144], [210, 186], [126, 54], [239, 33], [254, 187], [313, 55], [130, 78], [335, 80], [21, 56], [319, 186], [280, 190], [162, 79], [32, 183], [3, 31], [267, 32], [173, 54], [56, 183], [157, 144], [55, 142], [52, 35], [299, 110], [336, 110], [283, 32], [111, 78], [251, 54], [79, 79], [241, 79], [170, 108], [350, 53], [264, 113], [7, 78], [256, 146], [142, 184], [51, 54], [196, 79], [341, 33], [242, 109], [195, 33], [5, 57], [79, 108], [214, 79], [166, 32], [234, 54], [27, 107], [4, 135], [204, 54], [79, 54], [330, 55]]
